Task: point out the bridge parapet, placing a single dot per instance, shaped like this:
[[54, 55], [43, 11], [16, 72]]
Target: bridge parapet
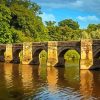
[[96, 43], [3, 47], [39, 44], [17, 46], [69, 43]]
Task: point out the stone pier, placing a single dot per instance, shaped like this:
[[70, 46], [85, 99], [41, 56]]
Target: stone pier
[[8, 53], [52, 53], [86, 60], [27, 53]]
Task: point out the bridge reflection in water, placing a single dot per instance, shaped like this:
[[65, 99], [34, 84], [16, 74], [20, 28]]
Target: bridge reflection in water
[[20, 82]]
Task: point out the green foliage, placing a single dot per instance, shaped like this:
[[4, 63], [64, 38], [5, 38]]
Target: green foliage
[[18, 36], [93, 31], [95, 34], [20, 22], [5, 32], [85, 35], [62, 33], [70, 23], [21, 16], [92, 27], [50, 23], [72, 55], [32, 6]]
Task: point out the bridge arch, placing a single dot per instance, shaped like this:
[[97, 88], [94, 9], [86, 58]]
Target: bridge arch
[[65, 49], [17, 55], [61, 53], [96, 54], [35, 55], [2, 55], [96, 59]]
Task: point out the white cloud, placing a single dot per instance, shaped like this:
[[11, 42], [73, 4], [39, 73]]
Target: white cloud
[[47, 17], [84, 21], [89, 19]]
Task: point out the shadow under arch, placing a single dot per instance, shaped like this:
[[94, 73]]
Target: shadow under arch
[[61, 60], [17, 56], [97, 55], [36, 57], [2, 55], [96, 60]]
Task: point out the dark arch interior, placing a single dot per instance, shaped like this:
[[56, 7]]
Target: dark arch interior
[[97, 56], [2, 56], [63, 53], [16, 58], [37, 56], [96, 61]]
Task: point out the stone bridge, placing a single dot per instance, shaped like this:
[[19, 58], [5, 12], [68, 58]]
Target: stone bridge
[[89, 51]]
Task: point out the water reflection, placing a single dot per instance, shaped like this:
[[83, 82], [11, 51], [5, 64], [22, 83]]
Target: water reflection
[[26, 72], [3, 91], [23, 82], [8, 74], [86, 84], [52, 78]]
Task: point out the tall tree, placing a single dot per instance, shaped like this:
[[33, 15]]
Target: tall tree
[[24, 19], [70, 23], [92, 27], [50, 23], [5, 17]]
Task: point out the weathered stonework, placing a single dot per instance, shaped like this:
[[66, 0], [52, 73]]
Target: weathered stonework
[[27, 53], [52, 53], [86, 60], [89, 51], [8, 53]]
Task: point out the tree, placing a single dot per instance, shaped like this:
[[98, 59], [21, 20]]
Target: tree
[[70, 23], [34, 7], [50, 23], [95, 34], [23, 18], [5, 32], [92, 27], [85, 35]]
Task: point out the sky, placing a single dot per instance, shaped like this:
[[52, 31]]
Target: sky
[[83, 11]]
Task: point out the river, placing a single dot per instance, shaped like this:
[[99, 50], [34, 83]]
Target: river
[[30, 82]]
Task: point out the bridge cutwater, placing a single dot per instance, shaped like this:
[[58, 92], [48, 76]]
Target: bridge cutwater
[[89, 51]]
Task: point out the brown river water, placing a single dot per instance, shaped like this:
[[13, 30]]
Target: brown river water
[[30, 82]]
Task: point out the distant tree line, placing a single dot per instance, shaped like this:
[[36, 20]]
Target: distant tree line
[[20, 22]]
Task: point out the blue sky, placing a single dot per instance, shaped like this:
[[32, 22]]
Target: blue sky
[[82, 11]]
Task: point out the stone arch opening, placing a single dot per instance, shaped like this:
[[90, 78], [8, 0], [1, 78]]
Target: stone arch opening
[[67, 54], [17, 56], [2, 55], [38, 56]]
